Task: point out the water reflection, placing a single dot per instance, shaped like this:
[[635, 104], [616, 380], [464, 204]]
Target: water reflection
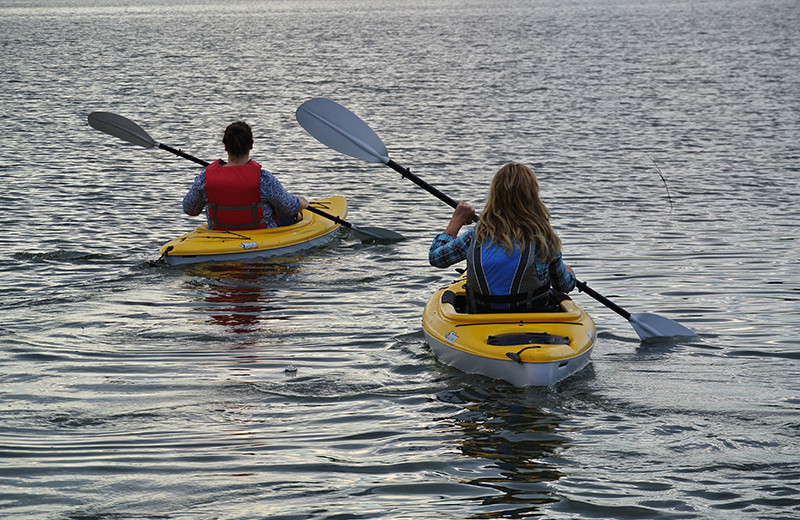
[[511, 429], [240, 296]]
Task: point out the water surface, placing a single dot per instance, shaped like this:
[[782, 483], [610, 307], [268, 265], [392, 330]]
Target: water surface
[[665, 136]]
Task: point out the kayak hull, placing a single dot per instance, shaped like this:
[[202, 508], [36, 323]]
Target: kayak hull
[[525, 349], [209, 245]]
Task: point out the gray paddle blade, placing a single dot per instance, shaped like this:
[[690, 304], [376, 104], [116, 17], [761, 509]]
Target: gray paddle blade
[[339, 129], [121, 127], [649, 326], [377, 234]]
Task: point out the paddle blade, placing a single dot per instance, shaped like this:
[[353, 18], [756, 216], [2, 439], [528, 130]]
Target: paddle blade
[[369, 234], [121, 127], [339, 129], [649, 326]]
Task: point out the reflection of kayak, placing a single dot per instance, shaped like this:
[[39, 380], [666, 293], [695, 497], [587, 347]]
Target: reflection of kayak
[[537, 349], [207, 245]]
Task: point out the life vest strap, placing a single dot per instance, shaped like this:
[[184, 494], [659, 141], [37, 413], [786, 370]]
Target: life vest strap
[[254, 223], [529, 301]]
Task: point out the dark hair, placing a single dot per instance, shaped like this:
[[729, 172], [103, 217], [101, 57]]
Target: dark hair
[[238, 138]]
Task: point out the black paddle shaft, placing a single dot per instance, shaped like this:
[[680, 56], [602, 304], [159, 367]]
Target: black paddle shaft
[[182, 154], [405, 172], [602, 299], [328, 216]]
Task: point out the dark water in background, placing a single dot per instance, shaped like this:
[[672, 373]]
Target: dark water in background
[[131, 391]]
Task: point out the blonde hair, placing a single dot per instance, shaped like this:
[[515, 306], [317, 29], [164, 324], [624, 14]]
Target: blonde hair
[[515, 213]]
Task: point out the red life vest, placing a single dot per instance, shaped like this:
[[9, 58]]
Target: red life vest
[[234, 196]]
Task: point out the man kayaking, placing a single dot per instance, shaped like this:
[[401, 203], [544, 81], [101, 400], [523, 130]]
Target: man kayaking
[[239, 193], [513, 255]]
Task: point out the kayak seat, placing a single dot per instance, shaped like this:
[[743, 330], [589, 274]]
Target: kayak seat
[[459, 302]]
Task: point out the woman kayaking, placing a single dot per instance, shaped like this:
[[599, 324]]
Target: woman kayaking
[[239, 193], [513, 254]]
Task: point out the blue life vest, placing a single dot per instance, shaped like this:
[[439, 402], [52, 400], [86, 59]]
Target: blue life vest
[[499, 282]]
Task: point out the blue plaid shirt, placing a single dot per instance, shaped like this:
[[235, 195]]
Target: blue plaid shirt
[[447, 250], [273, 197]]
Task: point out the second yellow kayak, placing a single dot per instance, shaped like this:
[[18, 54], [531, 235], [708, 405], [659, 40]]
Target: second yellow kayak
[[209, 245]]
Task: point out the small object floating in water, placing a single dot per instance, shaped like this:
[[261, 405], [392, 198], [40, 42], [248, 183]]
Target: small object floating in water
[[291, 369]]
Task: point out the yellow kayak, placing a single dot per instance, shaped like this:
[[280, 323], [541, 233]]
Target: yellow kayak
[[209, 245], [525, 349]]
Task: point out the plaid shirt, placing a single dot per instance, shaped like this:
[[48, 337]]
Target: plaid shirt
[[273, 197], [447, 250]]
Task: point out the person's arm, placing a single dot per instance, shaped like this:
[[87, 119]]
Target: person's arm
[[562, 277], [273, 192], [462, 216], [195, 200], [447, 250]]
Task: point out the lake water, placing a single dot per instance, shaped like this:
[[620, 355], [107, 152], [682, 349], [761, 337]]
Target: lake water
[[130, 391]]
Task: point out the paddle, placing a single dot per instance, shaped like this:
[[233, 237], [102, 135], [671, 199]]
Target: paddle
[[127, 130], [336, 127], [646, 325]]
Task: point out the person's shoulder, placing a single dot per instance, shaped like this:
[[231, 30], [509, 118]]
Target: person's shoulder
[[267, 174]]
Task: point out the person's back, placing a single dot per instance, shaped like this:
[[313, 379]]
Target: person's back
[[503, 280], [238, 193], [234, 196], [513, 255]]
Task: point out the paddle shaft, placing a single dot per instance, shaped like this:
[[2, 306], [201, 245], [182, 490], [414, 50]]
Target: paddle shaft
[[405, 172], [328, 216], [602, 299], [182, 154]]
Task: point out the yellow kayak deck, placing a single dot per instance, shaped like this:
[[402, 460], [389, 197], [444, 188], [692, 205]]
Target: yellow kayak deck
[[205, 245], [538, 348]]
